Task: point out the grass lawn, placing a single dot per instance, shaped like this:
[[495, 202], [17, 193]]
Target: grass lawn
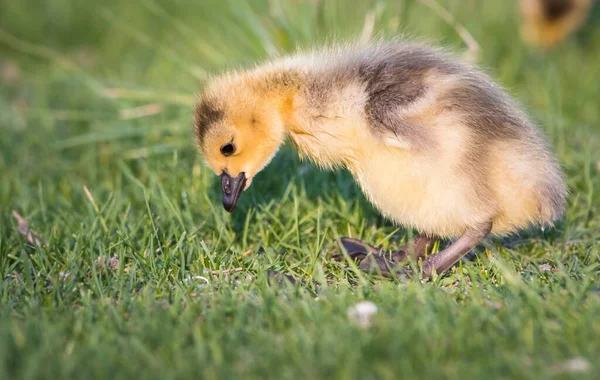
[[117, 259]]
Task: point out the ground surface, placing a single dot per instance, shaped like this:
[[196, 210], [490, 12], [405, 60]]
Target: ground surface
[[119, 261]]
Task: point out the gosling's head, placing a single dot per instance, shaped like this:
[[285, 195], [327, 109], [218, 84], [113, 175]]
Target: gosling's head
[[239, 127]]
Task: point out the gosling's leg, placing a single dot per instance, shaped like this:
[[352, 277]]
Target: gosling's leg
[[450, 255], [358, 250], [440, 261]]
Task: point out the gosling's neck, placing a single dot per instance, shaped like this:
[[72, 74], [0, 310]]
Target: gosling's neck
[[327, 126], [328, 129]]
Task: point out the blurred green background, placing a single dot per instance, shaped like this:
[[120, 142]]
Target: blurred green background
[[134, 269]]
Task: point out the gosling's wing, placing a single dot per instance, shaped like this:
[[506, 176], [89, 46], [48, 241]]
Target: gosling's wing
[[398, 82], [413, 91]]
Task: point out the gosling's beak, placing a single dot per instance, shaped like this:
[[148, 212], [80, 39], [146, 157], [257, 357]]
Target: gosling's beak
[[232, 188]]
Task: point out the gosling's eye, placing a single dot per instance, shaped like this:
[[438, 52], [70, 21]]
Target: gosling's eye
[[228, 149]]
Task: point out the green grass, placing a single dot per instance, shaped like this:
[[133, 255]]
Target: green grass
[[121, 284]]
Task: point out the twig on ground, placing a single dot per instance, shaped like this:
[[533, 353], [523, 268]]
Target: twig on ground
[[225, 271]]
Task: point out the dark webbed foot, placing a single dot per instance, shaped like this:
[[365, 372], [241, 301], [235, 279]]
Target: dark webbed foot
[[355, 249], [385, 265], [375, 260]]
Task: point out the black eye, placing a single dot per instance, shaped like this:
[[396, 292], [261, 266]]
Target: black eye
[[228, 149]]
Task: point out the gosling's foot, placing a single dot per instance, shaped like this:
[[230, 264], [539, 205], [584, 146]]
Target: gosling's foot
[[387, 265], [439, 262], [355, 249], [375, 260]]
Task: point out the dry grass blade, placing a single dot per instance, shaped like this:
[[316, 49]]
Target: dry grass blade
[[145, 39], [368, 27], [95, 207], [31, 236], [35, 50], [473, 46], [46, 53], [165, 97], [141, 111]]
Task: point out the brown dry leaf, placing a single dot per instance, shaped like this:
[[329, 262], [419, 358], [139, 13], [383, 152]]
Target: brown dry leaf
[[545, 267], [64, 276], [85, 58], [20, 105], [114, 263], [31, 236], [10, 72], [111, 263]]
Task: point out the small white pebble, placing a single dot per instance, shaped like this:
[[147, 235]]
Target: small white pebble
[[194, 278], [362, 313], [574, 365]]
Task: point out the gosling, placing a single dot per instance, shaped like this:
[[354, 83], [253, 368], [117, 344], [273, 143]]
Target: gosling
[[546, 23], [432, 142]]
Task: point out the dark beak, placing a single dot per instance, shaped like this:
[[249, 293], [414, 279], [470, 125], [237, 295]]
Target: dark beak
[[232, 188]]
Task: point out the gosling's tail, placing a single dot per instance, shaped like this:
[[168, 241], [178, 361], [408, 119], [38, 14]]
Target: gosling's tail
[[552, 194]]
